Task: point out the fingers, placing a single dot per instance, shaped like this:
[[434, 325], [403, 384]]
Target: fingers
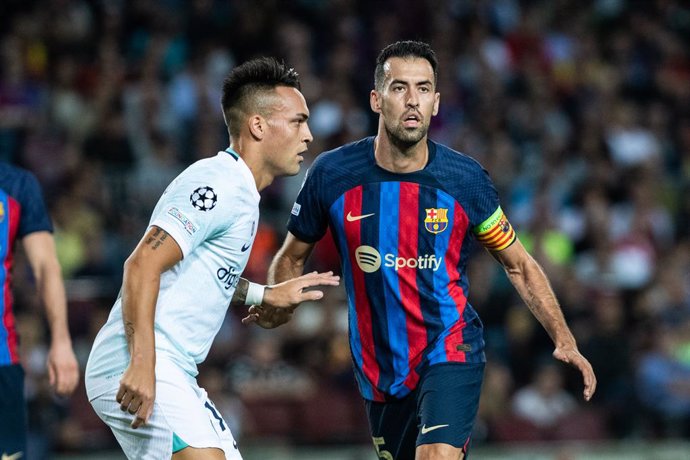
[[138, 405], [142, 415], [319, 279], [589, 378], [311, 295], [249, 319], [66, 380], [51, 375], [63, 371], [575, 359]]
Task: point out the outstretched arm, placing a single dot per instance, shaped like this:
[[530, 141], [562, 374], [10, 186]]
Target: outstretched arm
[[534, 288], [288, 264], [63, 370], [156, 252]]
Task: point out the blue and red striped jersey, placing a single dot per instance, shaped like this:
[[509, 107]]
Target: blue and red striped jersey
[[404, 241], [22, 211]]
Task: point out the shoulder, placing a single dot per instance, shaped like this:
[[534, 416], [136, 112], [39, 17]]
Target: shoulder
[[452, 158], [222, 172], [455, 169], [18, 181], [11, 173], [345, 154], [214, 182], [344, 160]]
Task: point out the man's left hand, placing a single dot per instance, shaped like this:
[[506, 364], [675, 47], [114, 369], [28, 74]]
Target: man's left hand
[[63, 370], [573, 357]]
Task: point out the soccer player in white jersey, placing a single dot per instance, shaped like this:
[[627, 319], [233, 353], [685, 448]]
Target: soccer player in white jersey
[[185, 271]]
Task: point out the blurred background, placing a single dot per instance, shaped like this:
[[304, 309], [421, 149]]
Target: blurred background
[[579, 109]]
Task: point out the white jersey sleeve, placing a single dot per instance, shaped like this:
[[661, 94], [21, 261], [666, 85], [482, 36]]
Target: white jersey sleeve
[[194, 207]]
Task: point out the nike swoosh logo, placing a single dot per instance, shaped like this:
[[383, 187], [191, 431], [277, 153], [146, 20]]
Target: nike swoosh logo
[[425, 430], [14, 456], [351, 218], [245, 247]]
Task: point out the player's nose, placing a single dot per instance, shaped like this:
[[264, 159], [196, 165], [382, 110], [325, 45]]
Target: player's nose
[[307, 134]]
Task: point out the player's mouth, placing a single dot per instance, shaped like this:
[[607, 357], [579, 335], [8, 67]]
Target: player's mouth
[[412, 120]]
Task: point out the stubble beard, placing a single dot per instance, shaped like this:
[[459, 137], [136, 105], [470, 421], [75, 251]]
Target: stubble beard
[[405, 138]]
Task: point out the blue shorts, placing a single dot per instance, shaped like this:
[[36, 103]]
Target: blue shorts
[[441, 409], [13, 409]]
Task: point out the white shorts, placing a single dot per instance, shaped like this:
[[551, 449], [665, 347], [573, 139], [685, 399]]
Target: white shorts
[[181, 408]]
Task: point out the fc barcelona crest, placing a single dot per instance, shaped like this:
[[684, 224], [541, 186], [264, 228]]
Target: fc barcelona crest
[[436, 220]]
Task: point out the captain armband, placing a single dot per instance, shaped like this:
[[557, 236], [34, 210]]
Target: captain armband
[[255, 294], [495, 233]]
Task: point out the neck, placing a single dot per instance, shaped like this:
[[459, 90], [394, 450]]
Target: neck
[[254, 161], [398, 157]]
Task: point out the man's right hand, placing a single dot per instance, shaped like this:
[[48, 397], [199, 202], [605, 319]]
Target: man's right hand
[[291, 293], [281, 300], [137, 392], [268, 317]]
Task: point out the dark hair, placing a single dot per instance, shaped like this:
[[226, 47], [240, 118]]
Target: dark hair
[[249, 80], [403, 49]]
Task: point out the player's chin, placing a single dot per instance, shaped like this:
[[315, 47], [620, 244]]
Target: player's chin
[[294, 168]]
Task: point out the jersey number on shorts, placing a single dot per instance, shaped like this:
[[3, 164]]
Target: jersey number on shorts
[[216, 415], [384, 454]]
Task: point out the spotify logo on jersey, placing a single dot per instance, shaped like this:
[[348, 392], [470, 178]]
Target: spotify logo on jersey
[[368, 259]]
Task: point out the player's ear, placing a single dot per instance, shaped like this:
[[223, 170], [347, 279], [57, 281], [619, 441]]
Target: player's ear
[[437, 102], [375, 101], [257, 126]]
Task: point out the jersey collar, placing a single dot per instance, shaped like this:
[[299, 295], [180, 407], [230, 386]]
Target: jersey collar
[[232, 153]]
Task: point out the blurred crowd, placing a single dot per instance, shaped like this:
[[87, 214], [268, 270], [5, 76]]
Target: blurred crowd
[[580, 111]]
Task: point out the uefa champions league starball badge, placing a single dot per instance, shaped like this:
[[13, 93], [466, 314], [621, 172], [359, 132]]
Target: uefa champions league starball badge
[[204, 198]]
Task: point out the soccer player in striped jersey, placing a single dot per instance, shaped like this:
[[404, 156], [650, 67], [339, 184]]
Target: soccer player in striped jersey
[[23, 217], [179, 280], [404, 212]]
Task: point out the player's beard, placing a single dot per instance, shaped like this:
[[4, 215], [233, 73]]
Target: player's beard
[[403, 137]]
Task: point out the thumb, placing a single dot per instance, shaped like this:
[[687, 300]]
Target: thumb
[[52, 376], [312, 295]]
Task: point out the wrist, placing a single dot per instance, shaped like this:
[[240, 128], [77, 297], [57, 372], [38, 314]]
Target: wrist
[[255, 294]]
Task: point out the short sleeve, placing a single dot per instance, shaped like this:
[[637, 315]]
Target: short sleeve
[[489, 224], [193, 209], [34, 217], [309, 217]]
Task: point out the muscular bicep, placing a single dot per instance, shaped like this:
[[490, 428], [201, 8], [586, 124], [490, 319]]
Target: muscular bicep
[[157, 251]]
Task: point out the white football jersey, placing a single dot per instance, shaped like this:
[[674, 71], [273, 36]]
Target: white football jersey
[[212, 211]]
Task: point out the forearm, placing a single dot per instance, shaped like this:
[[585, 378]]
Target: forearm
[[51, 291], [139, 297], [533, 287], [283, 267]]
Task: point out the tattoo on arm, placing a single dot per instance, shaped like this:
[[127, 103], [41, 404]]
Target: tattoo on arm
[[240, 294], [129, 330], [158, 237]]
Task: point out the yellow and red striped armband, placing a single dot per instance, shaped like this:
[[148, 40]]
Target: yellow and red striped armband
[[495, 233]]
